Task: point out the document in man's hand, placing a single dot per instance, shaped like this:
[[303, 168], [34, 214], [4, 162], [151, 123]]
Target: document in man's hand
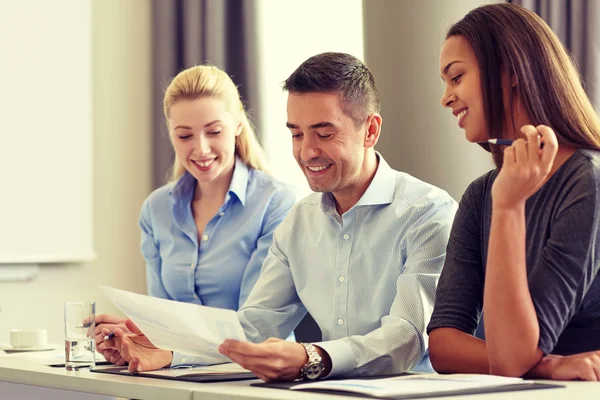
[[413, 385], [187, 328]]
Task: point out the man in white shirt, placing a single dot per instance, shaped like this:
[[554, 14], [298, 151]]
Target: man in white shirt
[[363, 255]]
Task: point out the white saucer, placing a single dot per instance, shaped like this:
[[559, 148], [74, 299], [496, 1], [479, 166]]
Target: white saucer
[[9, 349]]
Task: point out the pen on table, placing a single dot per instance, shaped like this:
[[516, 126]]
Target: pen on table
[[506, 142], [109, 336]]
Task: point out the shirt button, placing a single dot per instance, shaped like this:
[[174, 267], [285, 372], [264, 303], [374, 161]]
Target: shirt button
[[195, 296], [192, 266], [205, 238], [340, 321], [183, 359], [346, 236], [341, 278], [221, 214]]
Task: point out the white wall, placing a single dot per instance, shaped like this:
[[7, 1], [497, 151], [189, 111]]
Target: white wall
[[45, 75], [290, 32], [402, 44], [121, 112]]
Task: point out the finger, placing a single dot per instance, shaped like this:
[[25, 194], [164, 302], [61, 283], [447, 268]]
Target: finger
[[262, 377], [267, 369], [121, 362], [134, 365], [533, 137], [127, 354], [107, 354], [111, 344], [509, 157], [550, 146], [120, 332], [99, 338], [100, 327], [586, 374], [133, 327], [108, 344], [254, 364], [273, 340], [521, 155], [98, 330], [247, 349], [596, 369], [238, 359], [125, 350], [594, 358], [115, 357], [106, 319]]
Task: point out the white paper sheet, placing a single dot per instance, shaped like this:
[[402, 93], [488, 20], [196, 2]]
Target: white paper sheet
[[183, 327], [413, 384]]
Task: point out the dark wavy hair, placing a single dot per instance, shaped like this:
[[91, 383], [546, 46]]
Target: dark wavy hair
[[509, 38]]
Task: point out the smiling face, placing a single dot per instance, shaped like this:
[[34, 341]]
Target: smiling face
[[460, 72], [203, 135], [327, 144]]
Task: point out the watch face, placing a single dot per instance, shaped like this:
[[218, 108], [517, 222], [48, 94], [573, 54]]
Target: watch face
[[313, 371]]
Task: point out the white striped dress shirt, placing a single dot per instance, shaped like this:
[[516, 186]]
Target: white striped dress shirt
[[367, 277]]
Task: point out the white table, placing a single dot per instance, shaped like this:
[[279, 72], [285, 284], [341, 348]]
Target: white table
[[21, 373]]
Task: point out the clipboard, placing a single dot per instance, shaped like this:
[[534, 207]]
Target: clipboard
[[211, 373]]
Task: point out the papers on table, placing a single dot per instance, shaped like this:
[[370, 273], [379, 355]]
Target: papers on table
[[412, 384], [52, 358], [186, 328], [211, 373], [220, 369]]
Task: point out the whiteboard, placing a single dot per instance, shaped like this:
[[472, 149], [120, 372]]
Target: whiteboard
[[46, 201]]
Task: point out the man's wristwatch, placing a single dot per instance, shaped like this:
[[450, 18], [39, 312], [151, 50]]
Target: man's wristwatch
[[314, 367]]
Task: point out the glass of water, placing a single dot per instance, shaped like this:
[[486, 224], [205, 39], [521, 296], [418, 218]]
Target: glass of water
[[80, 345]]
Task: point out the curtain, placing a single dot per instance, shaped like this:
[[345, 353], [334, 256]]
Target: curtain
[[191, 32], [577, 24]]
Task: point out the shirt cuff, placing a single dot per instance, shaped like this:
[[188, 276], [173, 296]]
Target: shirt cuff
[[341, 355], [181, 360]]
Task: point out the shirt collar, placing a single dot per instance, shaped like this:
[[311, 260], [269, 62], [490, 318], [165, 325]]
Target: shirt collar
[[380, 190], [185, 186], [239, 181]]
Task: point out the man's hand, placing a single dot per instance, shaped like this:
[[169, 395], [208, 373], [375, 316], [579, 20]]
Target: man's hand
[[136, 349], [583, 366], [104, 321], [272, 360]]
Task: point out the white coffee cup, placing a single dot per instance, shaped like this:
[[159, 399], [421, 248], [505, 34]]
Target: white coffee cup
[[28, 338]]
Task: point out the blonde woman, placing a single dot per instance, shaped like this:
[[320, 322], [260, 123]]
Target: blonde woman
[[206, 233]]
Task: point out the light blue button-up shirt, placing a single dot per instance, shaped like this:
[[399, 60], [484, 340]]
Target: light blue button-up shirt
[[221, 269], [367, 277]]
